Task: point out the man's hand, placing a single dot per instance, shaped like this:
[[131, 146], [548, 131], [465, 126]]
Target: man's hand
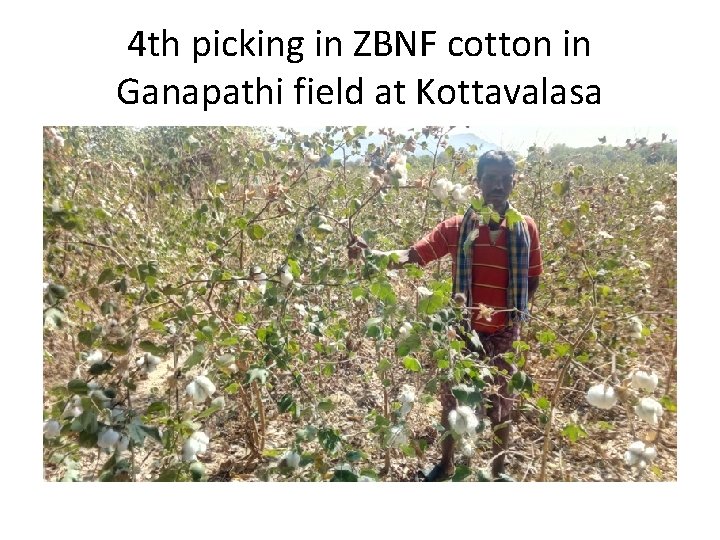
[[355, 248]]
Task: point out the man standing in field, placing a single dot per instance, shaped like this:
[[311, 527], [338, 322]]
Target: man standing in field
[[496, 270]]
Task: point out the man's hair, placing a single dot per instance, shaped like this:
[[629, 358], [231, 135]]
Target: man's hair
[[498, 157]]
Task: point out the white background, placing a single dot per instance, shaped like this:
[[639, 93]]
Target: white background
[[62, 62]]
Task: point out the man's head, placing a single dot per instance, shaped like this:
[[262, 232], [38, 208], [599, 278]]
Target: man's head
[[495, 177]]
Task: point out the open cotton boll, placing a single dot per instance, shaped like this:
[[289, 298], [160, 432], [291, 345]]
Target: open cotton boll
[[657, 209], [636, 328], [218, 402], [424, 291], [442, 188], [467, 448], [405, 330], [197, 443], [291, 459], [123, 443], [51, 429], [73, 408], [461, 194], [108, 438], [397, 437], [649, 410], [463, 420], [286, 278], [95, 357], [602, 396], [200, 389], [643, 380]]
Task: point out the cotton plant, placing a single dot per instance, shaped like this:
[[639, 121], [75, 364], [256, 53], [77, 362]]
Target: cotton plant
[[74, 408], [94, 357]]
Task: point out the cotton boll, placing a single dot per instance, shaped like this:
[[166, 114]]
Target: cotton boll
[[95, 357], [424, 291], [74, 408], [644, 380], [467, 448], [442, 188], [463, 420], [291, 459], [122, 444], [397, 437], [200, 389], [631, 459], [405, 330], [108, 438], [286, 278], [636, 328], [657, 209], [649, 410], [197, 443], [218, 402], [649, 454], [51, 429], [601, 396]]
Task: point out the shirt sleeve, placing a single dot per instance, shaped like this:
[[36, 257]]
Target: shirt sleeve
[[439, 242], [536, 266]]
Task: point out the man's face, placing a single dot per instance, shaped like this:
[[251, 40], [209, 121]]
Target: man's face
[[496, 184]]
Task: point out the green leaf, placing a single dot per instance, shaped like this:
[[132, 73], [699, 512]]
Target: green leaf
[[512, 217], [326, 405], [106, 276], [329, 439], [195, 358], [383, 291], [546, 336], [561, 349], [98, 369], [286, 402], [408, 345], [256, 232], [567, 227], [431, 304], [76, 386], [344, 476], [411, 364], [152, 431], [574, 432], [461, 473], [158, 407], [543, 403], [207, 412], [374, 328]]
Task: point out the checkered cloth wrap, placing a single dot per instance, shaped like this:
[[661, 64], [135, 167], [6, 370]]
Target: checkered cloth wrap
[[518, 248]]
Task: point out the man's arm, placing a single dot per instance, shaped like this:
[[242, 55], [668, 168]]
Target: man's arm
[[405, 256]]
